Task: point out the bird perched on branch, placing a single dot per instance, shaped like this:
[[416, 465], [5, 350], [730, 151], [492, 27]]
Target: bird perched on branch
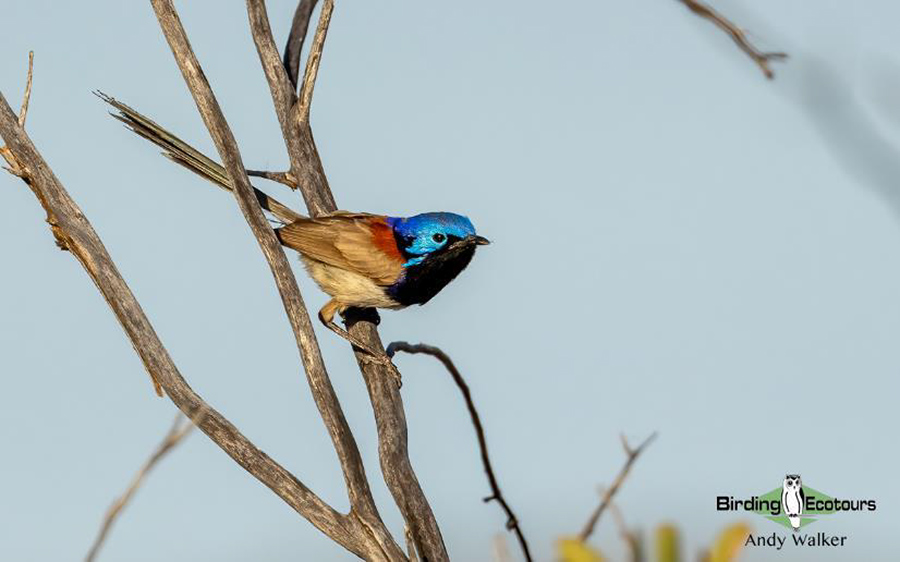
[[360, 260], [365, 261]]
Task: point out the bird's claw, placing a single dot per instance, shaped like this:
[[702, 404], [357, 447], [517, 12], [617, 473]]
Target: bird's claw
[[386, 362]]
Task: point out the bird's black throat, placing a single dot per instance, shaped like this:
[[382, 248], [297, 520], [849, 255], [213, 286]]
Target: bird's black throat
[[422, 281]]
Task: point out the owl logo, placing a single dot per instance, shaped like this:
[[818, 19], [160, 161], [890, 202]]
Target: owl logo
[[792, 499]]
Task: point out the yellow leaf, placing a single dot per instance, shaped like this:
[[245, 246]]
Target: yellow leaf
[[667, 547], [573, 550], [729, 543]]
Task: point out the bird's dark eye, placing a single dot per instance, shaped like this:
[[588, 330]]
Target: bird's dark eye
[[438, 237]]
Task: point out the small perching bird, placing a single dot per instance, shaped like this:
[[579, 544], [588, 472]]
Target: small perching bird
[[360, 260], [374, 261]]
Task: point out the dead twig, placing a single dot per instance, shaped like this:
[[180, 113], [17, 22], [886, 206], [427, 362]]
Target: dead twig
[[23, 112], [284, 178], [512, 522], [737, 35], [632, 455], [179, 430], [294, 46], [312, 65], [14, 167], [387, 404]]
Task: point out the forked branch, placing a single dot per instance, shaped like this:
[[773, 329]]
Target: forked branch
[[312, 65], [631, 456], [377, 540], [306, 166], [74, 233], [761, 58], [294, 47], [387, 404]]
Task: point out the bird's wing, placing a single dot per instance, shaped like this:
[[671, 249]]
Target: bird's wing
[[353, 241]]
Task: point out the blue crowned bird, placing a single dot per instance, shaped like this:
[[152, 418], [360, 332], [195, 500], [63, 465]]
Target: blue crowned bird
[[375, 261], [360, 260]]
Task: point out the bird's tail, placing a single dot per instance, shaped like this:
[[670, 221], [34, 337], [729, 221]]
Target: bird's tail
[[795, 522], [184, 154]]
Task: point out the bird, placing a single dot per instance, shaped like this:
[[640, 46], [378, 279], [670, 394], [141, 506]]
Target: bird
[[360, 260], [792, 499], [374, 261]]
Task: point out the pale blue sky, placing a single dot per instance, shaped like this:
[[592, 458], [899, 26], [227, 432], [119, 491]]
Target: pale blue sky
[[679, 245]]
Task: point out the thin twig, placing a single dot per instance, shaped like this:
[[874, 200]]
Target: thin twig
[[23, 112], [293, 48], [512, 523], [14, 167], [737, 34], [179, 430], [632, 455], [285, 178], [312, 64]]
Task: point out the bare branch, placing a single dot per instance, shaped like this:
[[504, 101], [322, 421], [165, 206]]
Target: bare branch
[[393, 442], [280, 177], [377, 540], [387, 405], [737, 35], [632, 455], [73, 232], [293, 49], [312, 64], [283, 94], [227, 147], [306, 166], [512, 523], [179, 430], [23, 112], [14, 166]]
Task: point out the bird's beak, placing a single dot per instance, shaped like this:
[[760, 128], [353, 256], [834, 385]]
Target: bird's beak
[[479, 240]]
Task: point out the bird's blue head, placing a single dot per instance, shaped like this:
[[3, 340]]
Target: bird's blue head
[[421, 235]]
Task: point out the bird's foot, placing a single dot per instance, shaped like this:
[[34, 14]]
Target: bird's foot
[[386, 362]]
